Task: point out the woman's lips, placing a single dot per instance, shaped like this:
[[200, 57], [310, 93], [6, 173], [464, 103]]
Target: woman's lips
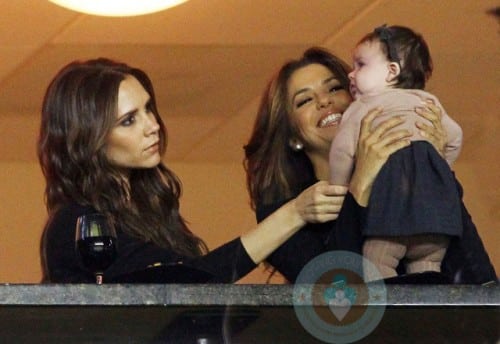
[[153, 148], [329, 120]]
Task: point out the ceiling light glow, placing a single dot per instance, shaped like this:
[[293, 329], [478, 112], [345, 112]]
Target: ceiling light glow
[[117, 8]]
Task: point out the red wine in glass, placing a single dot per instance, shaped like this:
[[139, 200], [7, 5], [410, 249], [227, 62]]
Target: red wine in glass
[[95, 243]]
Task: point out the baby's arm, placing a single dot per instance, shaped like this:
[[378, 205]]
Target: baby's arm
[[455, 139], [344, 145]]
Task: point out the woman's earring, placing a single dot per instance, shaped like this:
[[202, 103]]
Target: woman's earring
[[296, 145]]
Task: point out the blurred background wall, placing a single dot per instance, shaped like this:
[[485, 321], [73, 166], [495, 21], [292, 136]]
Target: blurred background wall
[[209, 61]]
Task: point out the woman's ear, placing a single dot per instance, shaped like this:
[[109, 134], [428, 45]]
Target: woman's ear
[[394, 71]]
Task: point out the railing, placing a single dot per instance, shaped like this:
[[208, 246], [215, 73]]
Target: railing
[[215, 313]]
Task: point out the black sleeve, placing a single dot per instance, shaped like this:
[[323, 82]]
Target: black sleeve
[[300, 248], [227, 263]]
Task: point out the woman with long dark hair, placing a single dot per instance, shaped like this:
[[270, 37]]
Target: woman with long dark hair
[[100, 147]]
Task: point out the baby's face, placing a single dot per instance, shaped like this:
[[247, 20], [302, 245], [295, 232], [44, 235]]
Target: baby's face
[[370, 72]]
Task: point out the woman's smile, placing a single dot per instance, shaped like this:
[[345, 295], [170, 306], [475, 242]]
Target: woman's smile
[[330, 119]]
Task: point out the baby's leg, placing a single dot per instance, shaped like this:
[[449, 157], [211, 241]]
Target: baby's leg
[[385, 253], [426, 252]]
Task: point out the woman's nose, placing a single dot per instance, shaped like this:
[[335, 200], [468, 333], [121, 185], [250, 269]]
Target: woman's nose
[[324, 100], [152, 126], [351, 75]]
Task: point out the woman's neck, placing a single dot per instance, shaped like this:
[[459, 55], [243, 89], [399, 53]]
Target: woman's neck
[[321, 165]]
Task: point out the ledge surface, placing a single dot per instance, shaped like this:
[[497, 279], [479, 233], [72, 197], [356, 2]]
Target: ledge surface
[[227, 295], [216, 313]]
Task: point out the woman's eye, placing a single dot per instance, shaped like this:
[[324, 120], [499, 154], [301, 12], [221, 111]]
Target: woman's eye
[[128, 121], [335, 88], [302, 102]]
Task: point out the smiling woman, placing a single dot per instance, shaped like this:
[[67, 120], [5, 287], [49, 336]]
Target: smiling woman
[[318, 99]]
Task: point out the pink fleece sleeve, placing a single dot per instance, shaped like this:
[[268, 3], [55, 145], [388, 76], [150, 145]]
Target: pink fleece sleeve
[[343, 148]]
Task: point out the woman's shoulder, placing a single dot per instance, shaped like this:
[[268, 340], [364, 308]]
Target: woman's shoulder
[[65, 215], [74, 207]]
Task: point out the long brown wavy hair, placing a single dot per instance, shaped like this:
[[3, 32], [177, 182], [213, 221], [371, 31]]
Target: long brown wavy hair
[[274, 171], [79, 110]]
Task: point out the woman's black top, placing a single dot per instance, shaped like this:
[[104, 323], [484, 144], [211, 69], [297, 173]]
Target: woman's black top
[[224, 264], [466, 260]]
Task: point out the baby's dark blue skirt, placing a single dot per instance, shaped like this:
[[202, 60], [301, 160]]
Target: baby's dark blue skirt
[[414, 193]]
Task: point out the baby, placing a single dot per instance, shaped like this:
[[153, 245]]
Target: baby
[[414, 206]]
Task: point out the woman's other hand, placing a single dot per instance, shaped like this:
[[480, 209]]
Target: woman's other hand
[[435, 133], [320, 202], [374, 148]]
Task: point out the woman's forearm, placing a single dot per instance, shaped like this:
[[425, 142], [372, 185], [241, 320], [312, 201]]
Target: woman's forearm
[[272, 232], [360, 188]]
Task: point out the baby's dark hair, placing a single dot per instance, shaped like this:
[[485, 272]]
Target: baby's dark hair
[[407, 48]]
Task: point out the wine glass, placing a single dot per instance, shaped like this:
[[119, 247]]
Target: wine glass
[[95, 243]]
